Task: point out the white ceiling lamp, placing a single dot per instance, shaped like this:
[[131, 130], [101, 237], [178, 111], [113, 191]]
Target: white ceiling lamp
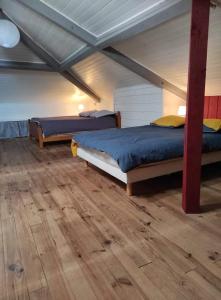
[[9, 34]]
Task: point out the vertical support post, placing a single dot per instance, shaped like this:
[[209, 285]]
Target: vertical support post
[[195, 105]]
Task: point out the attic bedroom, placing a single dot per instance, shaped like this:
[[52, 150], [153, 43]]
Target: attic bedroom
[[110, 149]]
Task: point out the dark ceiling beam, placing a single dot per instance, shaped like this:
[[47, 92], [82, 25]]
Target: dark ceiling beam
[[161, 17], [98, 43], [77, 57], [175, 10], [101, 44], [54, 64], [143, 72], [17, 65], [38, 50]]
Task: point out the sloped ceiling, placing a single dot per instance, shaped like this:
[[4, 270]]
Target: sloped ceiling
[[102, 16], [19, 53], [165, 50], [104, 75], [56, 41]]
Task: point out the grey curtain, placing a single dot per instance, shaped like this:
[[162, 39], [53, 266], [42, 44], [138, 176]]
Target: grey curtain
[[13, 129]]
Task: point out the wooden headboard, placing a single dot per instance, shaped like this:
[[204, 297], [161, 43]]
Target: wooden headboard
[[212, 107]]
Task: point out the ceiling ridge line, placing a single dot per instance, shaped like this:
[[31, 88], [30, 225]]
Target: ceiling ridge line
[[178, 8]]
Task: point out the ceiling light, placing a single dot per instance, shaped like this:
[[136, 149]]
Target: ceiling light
[[9, 34]]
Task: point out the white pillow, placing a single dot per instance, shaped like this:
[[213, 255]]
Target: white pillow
[[87, 113], [102, 113]]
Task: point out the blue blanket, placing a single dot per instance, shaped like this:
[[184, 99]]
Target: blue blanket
[[69, 124], [134, 146]]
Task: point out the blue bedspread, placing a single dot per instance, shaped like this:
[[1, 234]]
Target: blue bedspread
[[134, 146], [69, 124]]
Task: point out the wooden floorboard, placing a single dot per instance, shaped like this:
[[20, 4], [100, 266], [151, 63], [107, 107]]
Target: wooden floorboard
[[68, 231]]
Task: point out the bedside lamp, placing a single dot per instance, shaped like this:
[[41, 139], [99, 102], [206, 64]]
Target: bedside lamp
[[181, 111], [81, 107]]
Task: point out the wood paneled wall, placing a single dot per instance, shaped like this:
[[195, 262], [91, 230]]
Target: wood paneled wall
[[139, 105]]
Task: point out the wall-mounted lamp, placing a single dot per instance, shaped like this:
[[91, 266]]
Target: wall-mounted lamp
[[9, 34], [81, 107], [181, 111]]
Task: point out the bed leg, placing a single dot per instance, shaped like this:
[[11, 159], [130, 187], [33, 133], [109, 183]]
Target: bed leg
[[129, 189], [41, 144], [86, 163]]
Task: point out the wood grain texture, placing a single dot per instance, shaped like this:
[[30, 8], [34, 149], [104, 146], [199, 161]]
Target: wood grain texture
[[212, 108], [139, 104], [70, 232], [164, 49], [56, 41], [195, 105], [36, 132]]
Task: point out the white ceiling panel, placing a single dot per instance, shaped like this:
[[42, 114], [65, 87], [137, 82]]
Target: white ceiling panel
[[104, 75], [102, 16], [56, 41], [165, 50], [19, 53]]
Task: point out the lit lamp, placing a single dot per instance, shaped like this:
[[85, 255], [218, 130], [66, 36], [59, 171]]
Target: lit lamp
[[181, 111], [81, 107], [9, 34]]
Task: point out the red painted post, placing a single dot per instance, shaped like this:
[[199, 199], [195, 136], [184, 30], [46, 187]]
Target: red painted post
[[195, 105]]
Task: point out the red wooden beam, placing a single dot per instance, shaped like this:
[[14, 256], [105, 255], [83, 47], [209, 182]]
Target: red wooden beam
[[195, 105]]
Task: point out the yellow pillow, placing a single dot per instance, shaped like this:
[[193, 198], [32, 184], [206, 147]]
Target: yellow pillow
[[214, 124], [169, 121]]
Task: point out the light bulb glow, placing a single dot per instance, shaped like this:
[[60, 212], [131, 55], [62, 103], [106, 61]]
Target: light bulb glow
[[81, 107], [181, 111]]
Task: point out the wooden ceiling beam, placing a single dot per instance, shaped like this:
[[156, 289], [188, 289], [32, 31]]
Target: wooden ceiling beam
[[142, 71], [20, 65], [93, 45], [139, 25], [53, 63]]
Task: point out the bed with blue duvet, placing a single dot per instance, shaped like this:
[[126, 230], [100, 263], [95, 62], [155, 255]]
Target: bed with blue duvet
[[138, 153]]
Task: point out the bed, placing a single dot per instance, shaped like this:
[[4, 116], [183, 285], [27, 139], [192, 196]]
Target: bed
[[54, 129], [140, 153]]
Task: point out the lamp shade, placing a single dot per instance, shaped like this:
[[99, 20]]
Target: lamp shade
[[182, 111], [9, 34]]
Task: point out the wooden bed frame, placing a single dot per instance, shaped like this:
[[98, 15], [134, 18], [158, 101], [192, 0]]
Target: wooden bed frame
[[152, 170], [35, 132], [145, 171]]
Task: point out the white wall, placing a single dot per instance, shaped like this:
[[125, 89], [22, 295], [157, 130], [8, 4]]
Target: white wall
[[171, 103], [25, 94], [139, 104]]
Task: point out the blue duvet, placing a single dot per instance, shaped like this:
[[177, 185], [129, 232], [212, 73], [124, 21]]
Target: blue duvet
[[134, 146]]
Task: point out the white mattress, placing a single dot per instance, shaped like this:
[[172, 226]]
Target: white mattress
[[101, 156]]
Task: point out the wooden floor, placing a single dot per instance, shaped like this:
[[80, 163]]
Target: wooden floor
[[71, 232]]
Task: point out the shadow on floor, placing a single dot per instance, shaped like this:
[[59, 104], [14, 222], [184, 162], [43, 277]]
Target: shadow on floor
[[173, 183]]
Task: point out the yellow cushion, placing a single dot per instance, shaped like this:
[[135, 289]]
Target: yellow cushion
[[214, 124], [169, 121]]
